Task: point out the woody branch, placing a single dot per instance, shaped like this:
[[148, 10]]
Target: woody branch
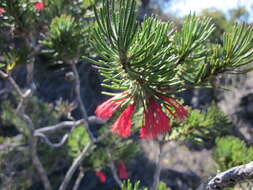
[[231, 177]]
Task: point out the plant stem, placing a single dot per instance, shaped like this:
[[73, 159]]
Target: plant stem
[[156, 177], [74, 166], [79, 178], [79, 160], [80, 101], [113, 169], [21, 111], [115, 175], [37, 164]]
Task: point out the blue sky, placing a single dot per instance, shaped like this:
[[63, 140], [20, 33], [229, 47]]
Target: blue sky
[[184, 7]]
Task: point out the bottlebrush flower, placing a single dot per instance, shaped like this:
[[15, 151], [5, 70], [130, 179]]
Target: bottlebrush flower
[[39, 6], [122, 170], [180, 112], [123, 124], [155, 119], [101, 176], [154, 122], [106, 109], [2, 10]]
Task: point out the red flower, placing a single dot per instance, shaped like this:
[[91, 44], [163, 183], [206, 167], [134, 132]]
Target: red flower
[[101, 176], [106, 109], [155, 119], [2, 10], [39, 6], [123, 124], [122, 170], [154, 122], [180, 112]]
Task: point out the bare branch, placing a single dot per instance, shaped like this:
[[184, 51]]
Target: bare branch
[[113, 169], [62, 125], [33, 148], [65, 124], [75, 165], [95, 120], [34, 134], [21, 109], [231, 177], [13, 83], [37, 163], [79, 178], [114, 173], [3, 74], [30, 68], [101, 137], [79, 160], [69, 124], [21, 112], [28, 120], [55, 145], [80, 101]]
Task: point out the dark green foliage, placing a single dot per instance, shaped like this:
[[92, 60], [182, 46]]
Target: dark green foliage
[[41, 113], [17, 172], [20, 14], [58, 7], [14, 57], [194, 32], [16, 156], [66, 38], [10, 118], [231, 151], [154, 58], [113, 149], [201, 126], [15, 165]]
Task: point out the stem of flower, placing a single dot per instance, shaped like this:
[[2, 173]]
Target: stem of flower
[[156, 177]]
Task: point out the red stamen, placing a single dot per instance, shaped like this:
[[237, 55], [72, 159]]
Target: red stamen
[[122, 170], [2, 10], [106, 109], [123, 124], [39, 6]]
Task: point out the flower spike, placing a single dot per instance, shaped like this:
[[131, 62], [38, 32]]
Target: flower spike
[[123, 124], [122, 170], [39, 6], [106, 109], [154, 122], [2, 10], [101, 176], [180, 112]]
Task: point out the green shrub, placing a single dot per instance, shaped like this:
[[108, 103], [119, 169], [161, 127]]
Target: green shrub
[[231, 151]]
